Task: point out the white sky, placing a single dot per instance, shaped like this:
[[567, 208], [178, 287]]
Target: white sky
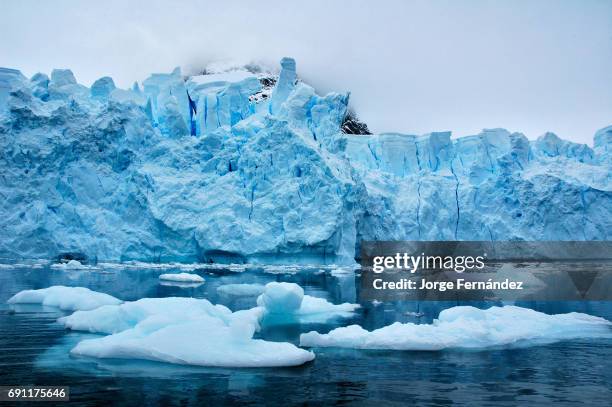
[[412, 66]]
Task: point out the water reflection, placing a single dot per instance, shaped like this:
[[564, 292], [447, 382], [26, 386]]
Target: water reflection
[[34, 348]]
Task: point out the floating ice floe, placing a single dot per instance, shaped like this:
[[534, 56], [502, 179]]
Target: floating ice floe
[[65, 298], [241, 290], [35, 265], [116, 318], [181, 330], [206, 341], [73, 265], [338, 271], [287, 301], [468, 327], [194, 331], [182, 278]]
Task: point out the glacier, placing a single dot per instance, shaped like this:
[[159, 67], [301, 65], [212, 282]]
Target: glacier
[[249, 166]]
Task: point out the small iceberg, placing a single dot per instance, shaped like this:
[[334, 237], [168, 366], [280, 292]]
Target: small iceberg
[[182, 278], [207, 341], [196, 332], [282, 301], [183, 331], [65, 298], [241, 290], [72, 265], [468, 327]]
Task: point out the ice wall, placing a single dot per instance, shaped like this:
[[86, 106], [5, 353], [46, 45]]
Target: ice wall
[[241, 166]]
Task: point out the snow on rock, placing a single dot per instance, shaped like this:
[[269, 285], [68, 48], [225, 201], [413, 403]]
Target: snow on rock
[[207, 169], [65, 298], [241, 290], [182, 277], [181, 330], [467, 327]]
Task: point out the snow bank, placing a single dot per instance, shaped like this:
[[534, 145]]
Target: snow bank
[[65, 298], [467, 327], [181, 330], [240, 290], [182, 278]]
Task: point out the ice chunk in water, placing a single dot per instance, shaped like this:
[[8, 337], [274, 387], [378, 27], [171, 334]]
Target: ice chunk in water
[[184, 331], [207, 341], [240, 290], [65, 298], [467, 327], [281, 298], [287, 300], [116, 318], [182, 277]]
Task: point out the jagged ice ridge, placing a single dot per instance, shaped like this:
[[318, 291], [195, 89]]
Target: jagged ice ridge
[[254, 167]]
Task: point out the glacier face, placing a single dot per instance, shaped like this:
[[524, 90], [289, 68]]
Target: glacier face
[[240, 166]]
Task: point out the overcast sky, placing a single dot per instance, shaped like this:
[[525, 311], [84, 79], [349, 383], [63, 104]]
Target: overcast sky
[[411, 66]]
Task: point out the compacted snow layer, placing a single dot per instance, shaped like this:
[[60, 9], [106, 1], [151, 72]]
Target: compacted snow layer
[[65, 298], [467, 327], [182, 278]]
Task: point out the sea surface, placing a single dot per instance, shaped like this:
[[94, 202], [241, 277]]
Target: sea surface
[[34, 350]]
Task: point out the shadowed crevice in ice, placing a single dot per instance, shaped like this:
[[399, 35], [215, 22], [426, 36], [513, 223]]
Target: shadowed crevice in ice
[[468, 327]]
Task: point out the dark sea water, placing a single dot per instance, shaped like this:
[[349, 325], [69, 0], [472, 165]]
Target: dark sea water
[[34, 350]]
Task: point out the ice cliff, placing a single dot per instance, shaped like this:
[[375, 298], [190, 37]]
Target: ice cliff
[[243, 165]]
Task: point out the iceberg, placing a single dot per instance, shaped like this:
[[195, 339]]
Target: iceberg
[[469, 328], [65, 298], [286, 301], [181, 330], [182, 278], [116, 318], [72, 265], [203, 342], [253, 166]]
